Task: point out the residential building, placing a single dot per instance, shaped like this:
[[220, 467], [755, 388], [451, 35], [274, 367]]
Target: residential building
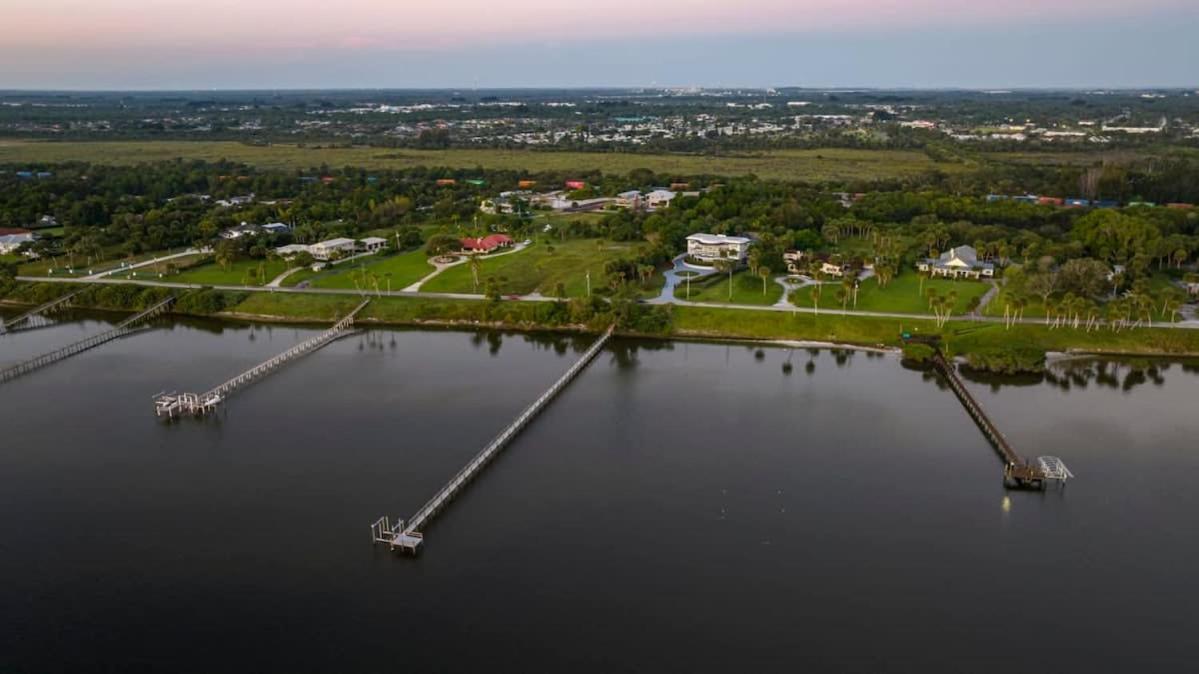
[[486, 244], [712, 247], [659, 199], [630, 200], [833, 269], [11, 238], [372, 244], [246, 229], [289, 251], [794, 260], [960, 262], [328, 250]]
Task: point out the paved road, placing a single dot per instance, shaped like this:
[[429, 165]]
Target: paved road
[[673, 280], [1189, 324]]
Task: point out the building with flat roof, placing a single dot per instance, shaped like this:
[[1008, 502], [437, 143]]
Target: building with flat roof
[[712, 247], [327, 250]]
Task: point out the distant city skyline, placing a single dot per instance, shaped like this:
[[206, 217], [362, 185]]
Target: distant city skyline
[[270, 44]]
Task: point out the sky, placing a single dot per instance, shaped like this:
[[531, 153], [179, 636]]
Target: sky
[[288, 44]]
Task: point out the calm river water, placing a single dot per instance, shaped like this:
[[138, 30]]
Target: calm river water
[[682, 507]]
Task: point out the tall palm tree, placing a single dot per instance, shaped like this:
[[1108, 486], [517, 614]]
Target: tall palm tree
[[848, 283], [764, 273], [727, 266], [472, 261]]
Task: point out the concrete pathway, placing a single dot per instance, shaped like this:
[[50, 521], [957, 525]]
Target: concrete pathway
[[991, 293], [674, 280], [278, 280]]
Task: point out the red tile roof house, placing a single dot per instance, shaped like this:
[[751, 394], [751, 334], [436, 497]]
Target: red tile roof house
[[486, 244]]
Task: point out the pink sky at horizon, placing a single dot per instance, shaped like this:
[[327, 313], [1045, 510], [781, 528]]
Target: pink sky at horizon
[[260, 26]]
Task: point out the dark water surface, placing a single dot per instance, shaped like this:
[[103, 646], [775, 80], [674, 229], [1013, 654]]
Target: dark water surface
[[682, 507]]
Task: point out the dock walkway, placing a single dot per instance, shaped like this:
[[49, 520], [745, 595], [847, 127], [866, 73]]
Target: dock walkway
[[406, 535], [121, 329], [1017, 472], [173, 404], [36, 314]]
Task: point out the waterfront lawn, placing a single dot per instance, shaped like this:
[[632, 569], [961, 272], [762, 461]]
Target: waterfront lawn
[[539, 268], [241, 272], [401, 269], [747, 289], [902, 295], [744, 323]]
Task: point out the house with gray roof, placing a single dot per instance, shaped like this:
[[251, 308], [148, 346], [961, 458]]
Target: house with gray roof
[[960, 262]]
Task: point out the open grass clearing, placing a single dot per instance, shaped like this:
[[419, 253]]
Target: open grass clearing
[[540, 268], [827, 164]]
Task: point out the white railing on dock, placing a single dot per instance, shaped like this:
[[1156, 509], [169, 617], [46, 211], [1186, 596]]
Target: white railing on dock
[[407, 534], [35, 316], [121, 329], [171, 404]]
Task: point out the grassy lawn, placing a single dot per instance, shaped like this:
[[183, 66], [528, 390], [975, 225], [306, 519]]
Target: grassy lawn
[[902, 295], [540, 269], [747, 289], [404, 268], [810, 165], [152, 271], [242, 272], [113, 259]]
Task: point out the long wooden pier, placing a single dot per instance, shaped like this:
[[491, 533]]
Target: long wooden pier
[[198, 404], [406, 535], [37, 313], [120, 330], [1017, 472]]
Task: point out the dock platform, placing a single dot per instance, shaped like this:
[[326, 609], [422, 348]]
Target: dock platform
[[1018, 473], [170, 405]]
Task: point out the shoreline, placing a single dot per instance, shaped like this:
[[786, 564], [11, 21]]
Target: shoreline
[[709, 324]]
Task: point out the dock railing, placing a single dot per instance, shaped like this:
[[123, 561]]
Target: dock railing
[[121, 329], [172, 404], [408, 535], [38, 312]]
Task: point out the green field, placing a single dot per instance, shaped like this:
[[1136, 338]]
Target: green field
[[747, 289], [399, 270], [833, 164], [539, 268], [902, 295], [241, 272]]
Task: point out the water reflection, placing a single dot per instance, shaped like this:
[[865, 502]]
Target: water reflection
[[1080, 373]]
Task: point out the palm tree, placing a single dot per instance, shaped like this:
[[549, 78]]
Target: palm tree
[[472, 261], [764, 273], [849, 287], [831, 232], [815, 295], [727, 266]]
